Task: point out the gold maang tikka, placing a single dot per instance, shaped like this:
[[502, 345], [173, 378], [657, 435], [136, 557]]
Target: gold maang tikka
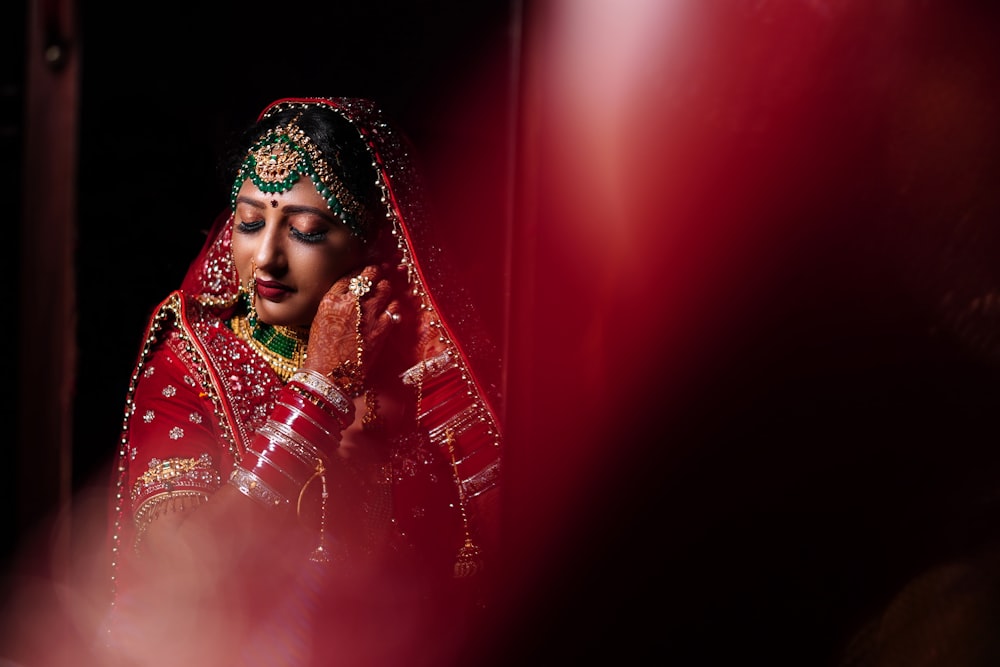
[[286, 153]]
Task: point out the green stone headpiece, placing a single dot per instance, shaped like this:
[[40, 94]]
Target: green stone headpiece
[[283, 155]]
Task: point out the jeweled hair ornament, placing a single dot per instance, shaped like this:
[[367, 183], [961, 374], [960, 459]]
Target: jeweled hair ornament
[[282, 156]]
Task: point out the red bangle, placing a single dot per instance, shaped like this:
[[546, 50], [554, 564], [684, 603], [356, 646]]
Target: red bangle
[[320, 388], [325, 437], [276, 466], [271, 476], [303, 391], [295, 397], [286, 461]]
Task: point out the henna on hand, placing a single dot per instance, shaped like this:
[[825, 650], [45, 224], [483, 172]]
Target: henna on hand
[[333, 336]]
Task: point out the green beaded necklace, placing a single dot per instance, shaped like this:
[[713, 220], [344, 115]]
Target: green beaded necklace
[[283, 348]]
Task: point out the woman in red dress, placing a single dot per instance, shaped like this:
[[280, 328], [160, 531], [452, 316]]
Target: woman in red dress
[[309, 461]]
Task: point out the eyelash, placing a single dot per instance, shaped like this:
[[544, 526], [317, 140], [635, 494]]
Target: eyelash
[[251, 226], [313, 237], [247, 227]]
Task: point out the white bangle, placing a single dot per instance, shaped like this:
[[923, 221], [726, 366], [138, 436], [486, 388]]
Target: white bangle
[[252, 486], [324, 387], [433, 367]]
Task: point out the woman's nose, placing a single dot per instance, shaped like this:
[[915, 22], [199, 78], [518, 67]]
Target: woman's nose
[[270, 253]]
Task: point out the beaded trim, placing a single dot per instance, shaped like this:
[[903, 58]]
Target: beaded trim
[[284, 154], [172, 501]]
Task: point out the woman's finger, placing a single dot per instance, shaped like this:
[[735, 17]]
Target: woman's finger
[[393, 312]]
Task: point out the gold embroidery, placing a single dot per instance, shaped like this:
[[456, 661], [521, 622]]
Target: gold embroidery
[[165, 471]]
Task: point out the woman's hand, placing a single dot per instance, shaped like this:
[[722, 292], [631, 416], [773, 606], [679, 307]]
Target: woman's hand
[[333, 336]]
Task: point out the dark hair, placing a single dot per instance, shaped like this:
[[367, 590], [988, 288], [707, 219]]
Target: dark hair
[[341, 147]]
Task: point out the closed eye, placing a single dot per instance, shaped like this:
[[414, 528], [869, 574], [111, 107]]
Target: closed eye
[[247, 226], [308, 237]]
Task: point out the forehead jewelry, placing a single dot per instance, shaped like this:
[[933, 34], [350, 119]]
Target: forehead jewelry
[[285, 154]]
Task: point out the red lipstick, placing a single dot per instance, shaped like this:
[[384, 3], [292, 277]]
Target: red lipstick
[[272, 290]]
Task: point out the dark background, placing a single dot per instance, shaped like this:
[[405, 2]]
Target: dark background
[[756, 489]]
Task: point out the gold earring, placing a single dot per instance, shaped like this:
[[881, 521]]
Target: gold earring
[[252, 293]]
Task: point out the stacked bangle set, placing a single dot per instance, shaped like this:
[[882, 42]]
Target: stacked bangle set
[[296, 442]]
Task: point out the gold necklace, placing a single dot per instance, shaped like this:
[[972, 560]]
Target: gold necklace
[[282, 348]]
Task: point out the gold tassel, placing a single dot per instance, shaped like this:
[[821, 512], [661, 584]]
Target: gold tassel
[[468, 561]]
